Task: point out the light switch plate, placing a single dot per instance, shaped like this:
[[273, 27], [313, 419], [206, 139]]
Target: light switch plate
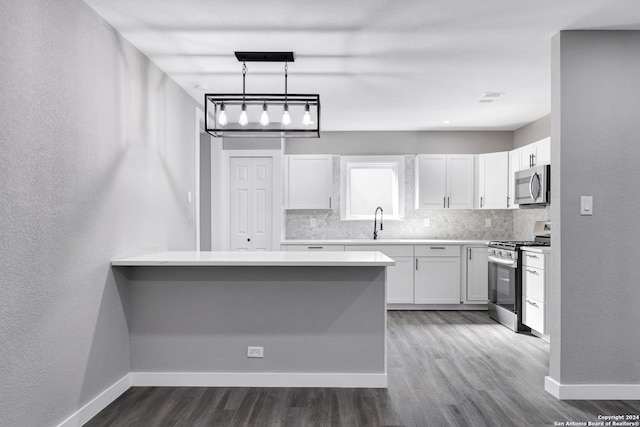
[[586, 205], [426, 222], [312, 222], [487, 222]]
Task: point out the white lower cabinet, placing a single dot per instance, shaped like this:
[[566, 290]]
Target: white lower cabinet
[[425, 274], [477, 275], [400, 281], [534, 293], [437, 280], [399, 276]]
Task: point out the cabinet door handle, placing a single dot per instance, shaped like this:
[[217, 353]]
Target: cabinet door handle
[[315, 247], [437, 247], [532, 272], [416, 263], [444, 202], [481, 201], [329, 202], [448, 202], [508, 198], [469, 254], [532, 303]]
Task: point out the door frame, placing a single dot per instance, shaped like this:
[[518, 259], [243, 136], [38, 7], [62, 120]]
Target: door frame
[[223, 209], [196, 193]]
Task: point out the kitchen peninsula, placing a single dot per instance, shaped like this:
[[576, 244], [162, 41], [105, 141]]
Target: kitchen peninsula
[[318, 318]]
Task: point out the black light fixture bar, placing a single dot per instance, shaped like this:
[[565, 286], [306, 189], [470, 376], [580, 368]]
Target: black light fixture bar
[[265, 56]]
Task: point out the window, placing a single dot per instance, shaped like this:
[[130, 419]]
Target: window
[[371, 181]]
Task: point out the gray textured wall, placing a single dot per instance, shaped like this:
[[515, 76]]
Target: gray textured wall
[[532, 132], [595, 128], [409, 142], [308, 319], [96, 159]]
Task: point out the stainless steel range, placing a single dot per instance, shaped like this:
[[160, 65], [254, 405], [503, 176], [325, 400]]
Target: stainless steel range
[[505, 277]]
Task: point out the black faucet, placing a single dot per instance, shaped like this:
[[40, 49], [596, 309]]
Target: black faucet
[[375, 223]]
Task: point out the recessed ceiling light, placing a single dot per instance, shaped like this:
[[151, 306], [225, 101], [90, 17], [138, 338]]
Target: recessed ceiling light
[[201, 86], [488, 97], [446, 122]]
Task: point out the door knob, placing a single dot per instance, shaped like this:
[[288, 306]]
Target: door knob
[[248, 240]]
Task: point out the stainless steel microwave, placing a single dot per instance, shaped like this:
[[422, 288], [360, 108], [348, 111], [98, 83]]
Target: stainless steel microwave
[[533, 187]]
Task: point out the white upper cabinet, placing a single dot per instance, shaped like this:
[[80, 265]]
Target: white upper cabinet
[[543, 152], [493, 176], [460, 181], [535, 154], [431, 181], [444, 181], [308, 182], [514, 166]]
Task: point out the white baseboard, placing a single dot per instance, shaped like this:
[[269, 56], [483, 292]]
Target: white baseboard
[[257, 379], [98, 403], [591, 391], [457, 307]]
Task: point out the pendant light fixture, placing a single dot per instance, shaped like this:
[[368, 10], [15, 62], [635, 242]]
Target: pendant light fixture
[[286, 118], [264, 117], [300, 112]]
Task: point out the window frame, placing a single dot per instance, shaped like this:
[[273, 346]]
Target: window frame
[[395, 163]]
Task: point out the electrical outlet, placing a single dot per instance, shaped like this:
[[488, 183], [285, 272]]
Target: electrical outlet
[[188, 196], [255, 352], [426, 222], [487, 222], [312, 222]]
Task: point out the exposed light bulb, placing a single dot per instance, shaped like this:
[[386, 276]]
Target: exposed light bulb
[[264, 118], [286, 118], [306, 119], [222, 116], [243, 120]]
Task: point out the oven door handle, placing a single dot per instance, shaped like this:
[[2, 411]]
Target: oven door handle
[[508, 263]]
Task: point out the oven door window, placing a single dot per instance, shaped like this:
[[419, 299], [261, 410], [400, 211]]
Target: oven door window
[[502, 286]]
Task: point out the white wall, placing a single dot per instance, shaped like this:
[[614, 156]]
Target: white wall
[[595, 151], [96, 159]]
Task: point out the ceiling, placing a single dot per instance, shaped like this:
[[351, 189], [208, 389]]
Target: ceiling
[[377, 64]]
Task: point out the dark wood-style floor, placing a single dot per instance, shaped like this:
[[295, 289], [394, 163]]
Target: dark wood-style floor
[[446, 368]]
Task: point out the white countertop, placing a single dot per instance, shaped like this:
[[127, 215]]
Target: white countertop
[[276, 259], [385, 242]]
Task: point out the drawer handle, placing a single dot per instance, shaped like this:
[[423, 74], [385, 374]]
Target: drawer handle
[[437, 247], [532, 303], [315, 247], [532, 272], [532, 256]]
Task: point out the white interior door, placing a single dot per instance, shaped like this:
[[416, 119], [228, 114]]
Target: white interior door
[[261, 200], [251, 187]]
